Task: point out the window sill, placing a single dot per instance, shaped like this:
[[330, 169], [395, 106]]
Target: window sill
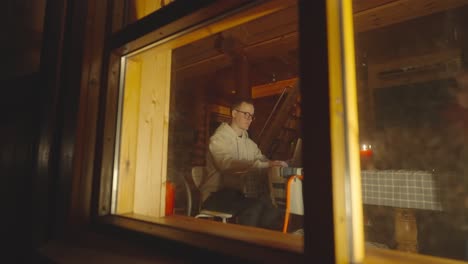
[[386, 256], [236, 240]]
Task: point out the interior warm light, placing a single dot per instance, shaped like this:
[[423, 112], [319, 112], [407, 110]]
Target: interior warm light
[[366, 150]]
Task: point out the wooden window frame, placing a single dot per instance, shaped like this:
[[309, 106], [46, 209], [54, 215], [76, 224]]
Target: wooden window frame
[[321, 238], [217, 17]]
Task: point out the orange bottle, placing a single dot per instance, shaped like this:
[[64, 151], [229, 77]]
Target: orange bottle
[[170, 192]]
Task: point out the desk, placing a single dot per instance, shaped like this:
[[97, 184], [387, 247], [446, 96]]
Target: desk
[[405, 191], [277, 179]]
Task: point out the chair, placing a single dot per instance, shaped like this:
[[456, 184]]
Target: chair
[[286, 191], [197, 174], [294, 200]]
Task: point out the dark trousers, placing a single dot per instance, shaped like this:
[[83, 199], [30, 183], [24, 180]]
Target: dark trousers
[[258, 212]]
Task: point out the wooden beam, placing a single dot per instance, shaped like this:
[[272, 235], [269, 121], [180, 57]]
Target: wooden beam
[[241, 75], [435, 66], [291, 38], [222, 60], [233, 48], [220, 109], [272, 88], [361, 5]]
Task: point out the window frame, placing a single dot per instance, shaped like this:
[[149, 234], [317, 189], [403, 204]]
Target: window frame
[[234, 12], [319, 232]]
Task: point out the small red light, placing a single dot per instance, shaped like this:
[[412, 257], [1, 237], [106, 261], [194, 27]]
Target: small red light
[[366, 150], [366, 153]]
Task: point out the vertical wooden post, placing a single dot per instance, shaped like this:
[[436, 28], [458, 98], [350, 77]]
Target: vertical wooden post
[[241, 75], [240, 64]]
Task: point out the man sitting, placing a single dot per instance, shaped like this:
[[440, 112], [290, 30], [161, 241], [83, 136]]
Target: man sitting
[[232, 156]]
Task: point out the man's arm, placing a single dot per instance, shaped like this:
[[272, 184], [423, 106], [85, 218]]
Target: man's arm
[[228, 164], [271, 163]]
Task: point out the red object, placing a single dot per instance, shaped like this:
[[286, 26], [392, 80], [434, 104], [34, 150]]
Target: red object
[[366, 153], [170, 191]]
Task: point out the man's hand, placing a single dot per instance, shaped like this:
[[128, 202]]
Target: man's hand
[[277, 163]]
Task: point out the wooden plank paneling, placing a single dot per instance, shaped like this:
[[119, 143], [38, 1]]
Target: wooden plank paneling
[[153, 123], [361, 5], [129, 138], [86, 140], [204, 66], [253, 13], [278, 46], [434, 66], [196, 51], [399, 11], [141, 8], [259, 37], [118, 15], [268, 27], [22, 27]]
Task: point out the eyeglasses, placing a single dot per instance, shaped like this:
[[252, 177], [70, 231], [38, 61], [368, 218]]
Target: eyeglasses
[[247, 115]]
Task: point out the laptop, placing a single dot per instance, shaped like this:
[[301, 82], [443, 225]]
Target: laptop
[[295, 163], [296, 160], [279, 176]]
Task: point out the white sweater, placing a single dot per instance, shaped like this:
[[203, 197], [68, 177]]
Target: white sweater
[[229, 155]]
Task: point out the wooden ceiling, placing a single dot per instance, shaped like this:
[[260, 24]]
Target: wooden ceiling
[[271, 43]]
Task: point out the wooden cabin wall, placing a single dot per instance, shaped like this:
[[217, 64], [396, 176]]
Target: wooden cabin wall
[[18, 135], [435, 33], [186, 133], [21, 25], [194, 100], [182, 128], [263, 107], [424, 35], [190, 111]]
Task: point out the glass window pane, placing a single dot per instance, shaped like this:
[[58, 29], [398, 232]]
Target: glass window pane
[[177, 95], [412, 81]]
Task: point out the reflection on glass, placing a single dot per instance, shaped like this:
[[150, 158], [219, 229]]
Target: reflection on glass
[[413, 117], [256, 60], [174, 100]]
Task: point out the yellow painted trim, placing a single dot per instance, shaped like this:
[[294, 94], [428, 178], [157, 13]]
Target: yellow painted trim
[[347, 200]]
